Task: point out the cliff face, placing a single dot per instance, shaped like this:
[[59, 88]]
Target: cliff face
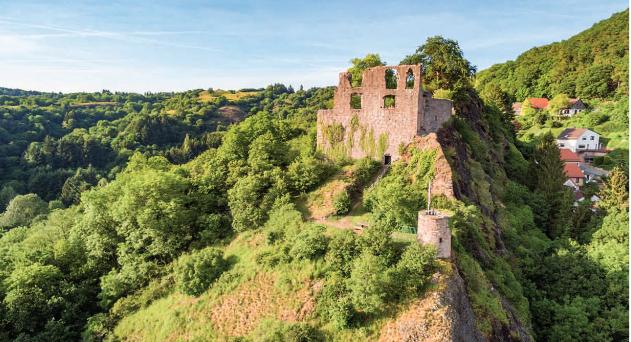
[[440, 316], [475, 146]]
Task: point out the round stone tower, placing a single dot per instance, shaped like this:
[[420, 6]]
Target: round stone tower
[[433, 229]]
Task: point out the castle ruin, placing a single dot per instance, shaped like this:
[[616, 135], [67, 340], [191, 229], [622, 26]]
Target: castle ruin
[[382, 115]]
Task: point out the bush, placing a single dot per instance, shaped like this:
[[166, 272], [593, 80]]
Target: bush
[[415, 268], [342, 203], [343, 248], [309, 243], [369, 283], [195, 272], [279, 331], [334, 302]]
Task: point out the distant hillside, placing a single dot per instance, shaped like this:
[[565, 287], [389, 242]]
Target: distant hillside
[[591, 64]]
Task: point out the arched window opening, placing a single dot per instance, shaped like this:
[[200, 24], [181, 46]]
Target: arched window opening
[[409, 79], [356, 101], [391, 79], [388, 101]]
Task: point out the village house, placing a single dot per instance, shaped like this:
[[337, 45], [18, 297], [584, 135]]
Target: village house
[[579, 140], [576, 106], [574, 173], [541, 103]]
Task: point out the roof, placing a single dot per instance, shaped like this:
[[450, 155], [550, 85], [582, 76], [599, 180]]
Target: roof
[[593, 171], [578, 196], [572, 171], [569, 156], [572, 133], [538, 102]]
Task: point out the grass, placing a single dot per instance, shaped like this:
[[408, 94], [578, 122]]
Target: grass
[[206, 96]]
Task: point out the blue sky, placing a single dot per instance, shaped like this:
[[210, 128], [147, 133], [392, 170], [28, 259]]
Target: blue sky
[[163, 46]]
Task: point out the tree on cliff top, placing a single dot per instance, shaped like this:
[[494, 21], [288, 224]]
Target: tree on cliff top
[[361, 64], [444, 65]]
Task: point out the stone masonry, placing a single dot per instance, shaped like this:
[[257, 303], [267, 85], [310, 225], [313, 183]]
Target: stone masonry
[[375, 129], [433, 229]]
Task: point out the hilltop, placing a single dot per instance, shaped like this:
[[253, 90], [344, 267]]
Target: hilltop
[[213, 215]]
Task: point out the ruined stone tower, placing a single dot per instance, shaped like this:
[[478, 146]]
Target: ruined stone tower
[[385, 113], [433, 229]]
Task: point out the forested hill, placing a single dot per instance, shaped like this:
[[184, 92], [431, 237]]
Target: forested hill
[[591, 64]]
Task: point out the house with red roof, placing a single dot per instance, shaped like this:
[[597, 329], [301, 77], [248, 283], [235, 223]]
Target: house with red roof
[[541, 103], [574, 173], [567, 156]]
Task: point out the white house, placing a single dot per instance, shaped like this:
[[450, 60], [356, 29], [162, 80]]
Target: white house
[[579, 140], [574, 107]]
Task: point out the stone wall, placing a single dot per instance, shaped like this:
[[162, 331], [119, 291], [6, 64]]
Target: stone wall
[[437, 112], [434, 230], [375, 130]]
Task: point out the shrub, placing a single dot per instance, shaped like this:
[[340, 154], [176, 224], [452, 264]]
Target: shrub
[[369, 283], [279, 331], [415, 268], [342, 203], [195, 272], [343, 248], [309, 243], [334, 302]]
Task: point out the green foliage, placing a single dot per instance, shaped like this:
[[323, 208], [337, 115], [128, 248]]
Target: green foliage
[[343, 248], [591, 64], [342, 203], [369, 283], [279, 331], [22, 210], [414, 270], [361, 64], [310, 243], [195, 272], [444, 66]]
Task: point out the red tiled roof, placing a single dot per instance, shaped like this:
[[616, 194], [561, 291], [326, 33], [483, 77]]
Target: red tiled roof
[[572, 171], [571, 133], [573, 101], [538, 102], [569, 156]]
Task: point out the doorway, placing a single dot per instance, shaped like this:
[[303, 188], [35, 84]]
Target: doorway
[[387, 159]]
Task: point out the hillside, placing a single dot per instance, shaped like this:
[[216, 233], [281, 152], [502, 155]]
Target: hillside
[[591, 64], [213, 215]]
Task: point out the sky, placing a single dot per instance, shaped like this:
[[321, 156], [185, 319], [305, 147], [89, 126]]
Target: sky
[[142, 46]]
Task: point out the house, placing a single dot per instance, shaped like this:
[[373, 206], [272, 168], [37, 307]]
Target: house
[[574, 173], [538, 103], [570, 184], [579, 140], [567, 156], [576, 106]]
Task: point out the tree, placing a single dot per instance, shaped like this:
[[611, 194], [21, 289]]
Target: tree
[[361, 64], [22, 210], [369, 283], [595, 82], [195, 272], [549, 176], [615, 193], [558, 102], [444, 65]]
